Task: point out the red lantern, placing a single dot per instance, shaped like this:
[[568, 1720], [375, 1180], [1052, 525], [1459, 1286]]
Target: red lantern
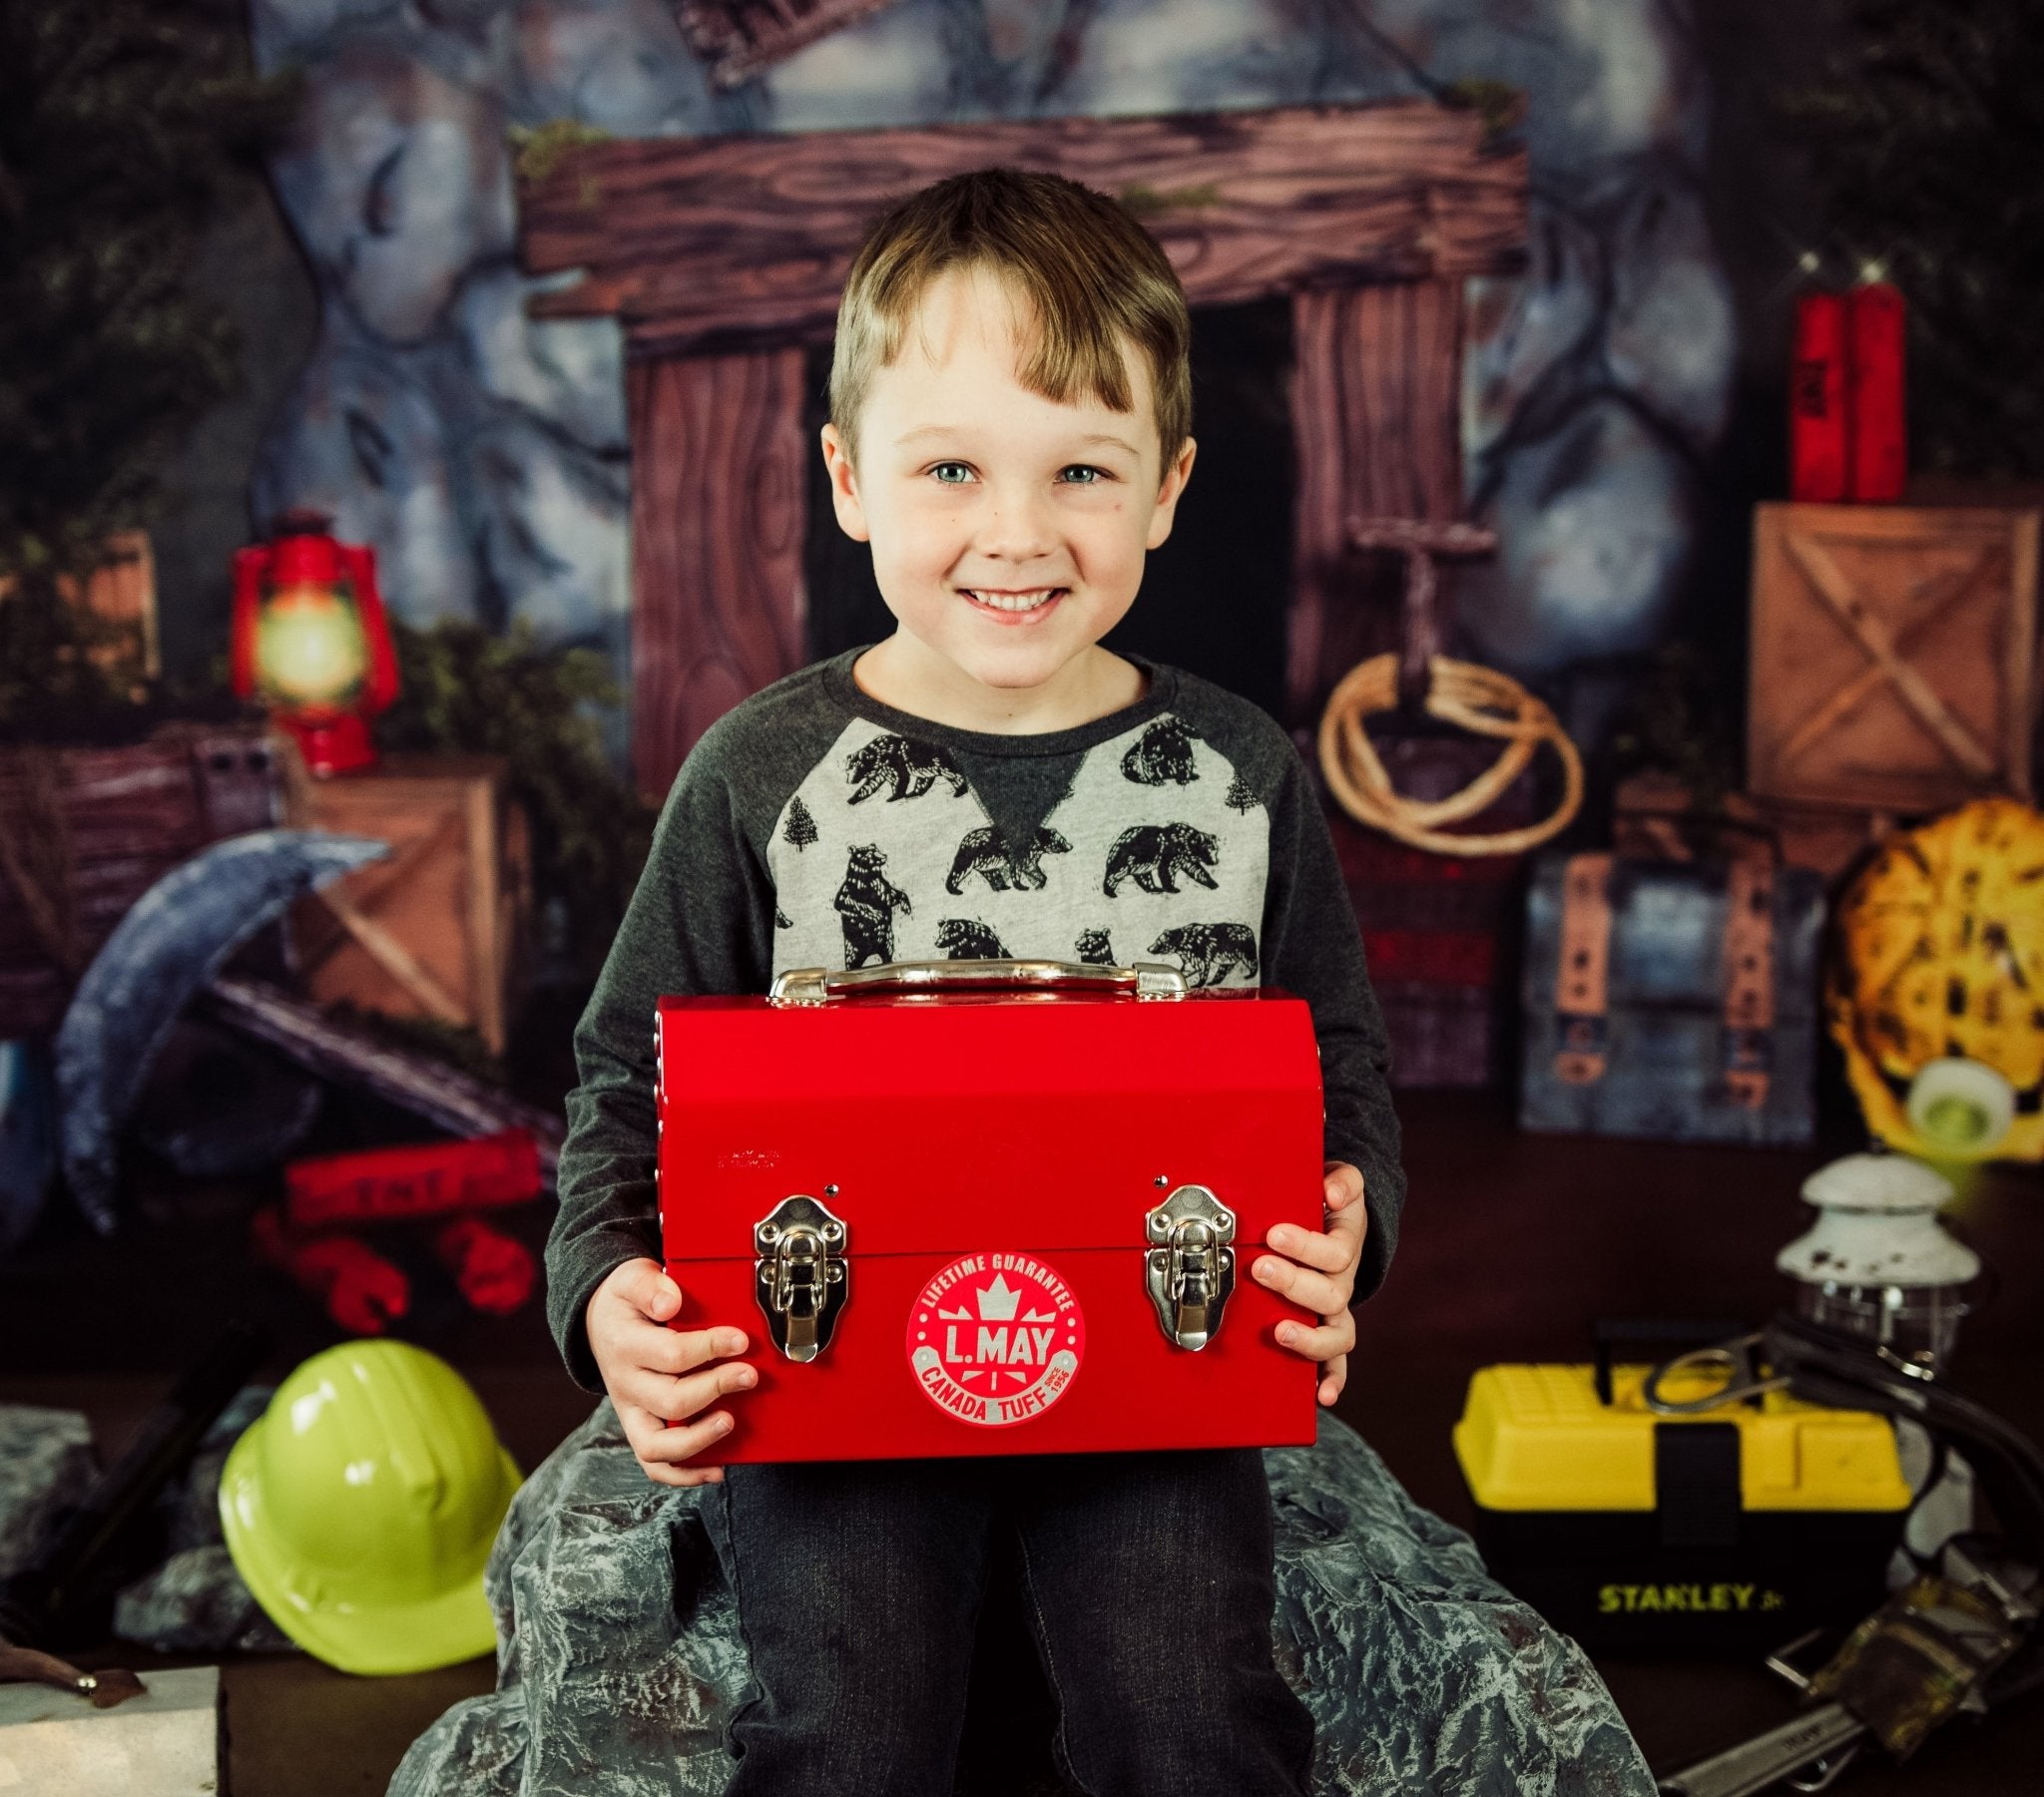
[[311, 638]]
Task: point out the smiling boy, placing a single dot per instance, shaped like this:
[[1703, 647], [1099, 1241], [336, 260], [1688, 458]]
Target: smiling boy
[[1011, 433]]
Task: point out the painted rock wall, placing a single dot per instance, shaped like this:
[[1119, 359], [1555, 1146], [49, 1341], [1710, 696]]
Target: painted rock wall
[[485, 455]]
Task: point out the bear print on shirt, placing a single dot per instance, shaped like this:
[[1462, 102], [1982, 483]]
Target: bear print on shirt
[[1207, 953], [1153, 854], [1163, 753], [867, 902], [913, 767], [985, 852], [887, 850], [967, 939]]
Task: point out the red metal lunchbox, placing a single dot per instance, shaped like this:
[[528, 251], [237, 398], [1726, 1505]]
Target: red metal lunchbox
[[991, 1207]]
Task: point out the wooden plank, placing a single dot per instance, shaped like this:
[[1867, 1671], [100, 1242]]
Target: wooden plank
[[1375, 419], [92, 829], [1894, 655], [344, 1053], [487, 974], [721, 242], [719, 510]]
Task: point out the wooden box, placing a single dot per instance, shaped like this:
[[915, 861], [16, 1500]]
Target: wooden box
[[1654, 819], [434, 931], [84, 832], [1894, 655], [120, 593]]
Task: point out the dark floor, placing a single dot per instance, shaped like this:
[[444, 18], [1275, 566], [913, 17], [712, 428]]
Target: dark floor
[[1511, 1244]]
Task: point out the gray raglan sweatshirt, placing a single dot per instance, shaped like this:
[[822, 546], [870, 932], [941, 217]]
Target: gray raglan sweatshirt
[[814, 827]]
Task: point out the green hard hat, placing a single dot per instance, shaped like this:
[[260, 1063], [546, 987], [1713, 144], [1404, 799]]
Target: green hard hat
[[360, 1509]]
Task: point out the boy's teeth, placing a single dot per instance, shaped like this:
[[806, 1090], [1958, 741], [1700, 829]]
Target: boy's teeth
[[1015, 602]]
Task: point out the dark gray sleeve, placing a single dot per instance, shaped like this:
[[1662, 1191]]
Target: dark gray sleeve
[[700, 921], [1311, 947]]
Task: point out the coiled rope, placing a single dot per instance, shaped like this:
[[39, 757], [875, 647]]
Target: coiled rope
[[1475, 698]]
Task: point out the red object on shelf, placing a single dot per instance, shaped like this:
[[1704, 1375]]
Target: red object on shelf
[[1880, 458], [362, 1292], [309, 637], [493, 1271], [1818, 434], [434, 1179], [993, 1159]]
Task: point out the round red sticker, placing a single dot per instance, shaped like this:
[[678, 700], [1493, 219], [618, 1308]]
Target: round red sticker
[[995, 1339]]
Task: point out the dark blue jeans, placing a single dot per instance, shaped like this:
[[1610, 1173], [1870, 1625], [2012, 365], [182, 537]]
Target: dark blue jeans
[[1146, 1581]]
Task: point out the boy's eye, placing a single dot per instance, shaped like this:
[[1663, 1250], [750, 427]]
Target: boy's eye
[[1084, 474], [953, 474]]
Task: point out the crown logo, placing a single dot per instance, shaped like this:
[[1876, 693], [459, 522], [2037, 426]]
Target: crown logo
[[997, 1301]]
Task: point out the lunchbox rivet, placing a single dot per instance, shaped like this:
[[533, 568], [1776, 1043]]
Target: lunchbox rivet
[[830, 1191], [1160, 1180]]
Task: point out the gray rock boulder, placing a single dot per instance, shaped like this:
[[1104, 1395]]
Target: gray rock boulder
[[399, 182], [619, 1647], [1594, 521], [46, 1464], [364, 437]]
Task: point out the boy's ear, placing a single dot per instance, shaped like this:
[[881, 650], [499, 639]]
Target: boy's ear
[[1177, 472], [844, 499]]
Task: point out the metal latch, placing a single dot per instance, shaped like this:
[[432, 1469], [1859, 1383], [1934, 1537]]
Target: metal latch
[[1189, 1269], [802, 1280]]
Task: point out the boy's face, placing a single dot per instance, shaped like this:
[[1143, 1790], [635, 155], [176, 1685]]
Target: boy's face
[[1008, 530]]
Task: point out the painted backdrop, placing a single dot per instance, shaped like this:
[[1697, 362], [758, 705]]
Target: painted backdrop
[[485, 455]]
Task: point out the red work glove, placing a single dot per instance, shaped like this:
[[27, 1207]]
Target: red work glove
[[492, 1270], [364, 1292]]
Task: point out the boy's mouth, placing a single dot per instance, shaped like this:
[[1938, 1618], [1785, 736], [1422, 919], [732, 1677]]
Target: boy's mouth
[[1016, 604]]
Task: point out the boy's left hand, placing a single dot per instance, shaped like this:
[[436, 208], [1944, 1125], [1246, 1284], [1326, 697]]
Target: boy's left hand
[[1317, 1270]]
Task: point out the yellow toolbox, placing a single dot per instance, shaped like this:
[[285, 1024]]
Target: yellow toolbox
[[1741, 1525]]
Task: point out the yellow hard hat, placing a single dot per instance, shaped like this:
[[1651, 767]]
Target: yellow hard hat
[[360, 1509]]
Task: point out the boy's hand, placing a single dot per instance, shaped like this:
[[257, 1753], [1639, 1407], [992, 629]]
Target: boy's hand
[[655, 1374], [1316, 1270]]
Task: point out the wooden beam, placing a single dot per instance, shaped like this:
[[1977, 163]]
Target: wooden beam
[[715, 243], [1375, 415], [719, 511]]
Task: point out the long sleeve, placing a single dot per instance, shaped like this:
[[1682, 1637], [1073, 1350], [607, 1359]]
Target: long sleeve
[[700, 921], [1311, 947]]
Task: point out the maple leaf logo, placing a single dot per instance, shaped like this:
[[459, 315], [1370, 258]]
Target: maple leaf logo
[[997, 1301]]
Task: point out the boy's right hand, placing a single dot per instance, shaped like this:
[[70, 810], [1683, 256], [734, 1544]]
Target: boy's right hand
[[657, 1376]]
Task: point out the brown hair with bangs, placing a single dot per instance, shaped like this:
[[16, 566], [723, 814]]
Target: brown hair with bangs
[[1091, 274]]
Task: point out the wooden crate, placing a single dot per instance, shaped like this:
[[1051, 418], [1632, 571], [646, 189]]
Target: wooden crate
[[434, 931], [84, 832], [1894, 655], [1653, 819], [121, 591]]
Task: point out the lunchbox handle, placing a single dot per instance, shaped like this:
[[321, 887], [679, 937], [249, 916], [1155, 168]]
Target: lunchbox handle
[[820, 985]]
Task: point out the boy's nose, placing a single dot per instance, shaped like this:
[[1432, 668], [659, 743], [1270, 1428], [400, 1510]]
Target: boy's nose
[[1017, 529]]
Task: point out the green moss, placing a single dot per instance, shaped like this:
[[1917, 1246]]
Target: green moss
[[1500, 105], [538, 150], [1147, 201]]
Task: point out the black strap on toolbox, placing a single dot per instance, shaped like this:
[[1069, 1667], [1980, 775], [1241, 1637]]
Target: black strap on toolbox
[[1696, 1484]]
